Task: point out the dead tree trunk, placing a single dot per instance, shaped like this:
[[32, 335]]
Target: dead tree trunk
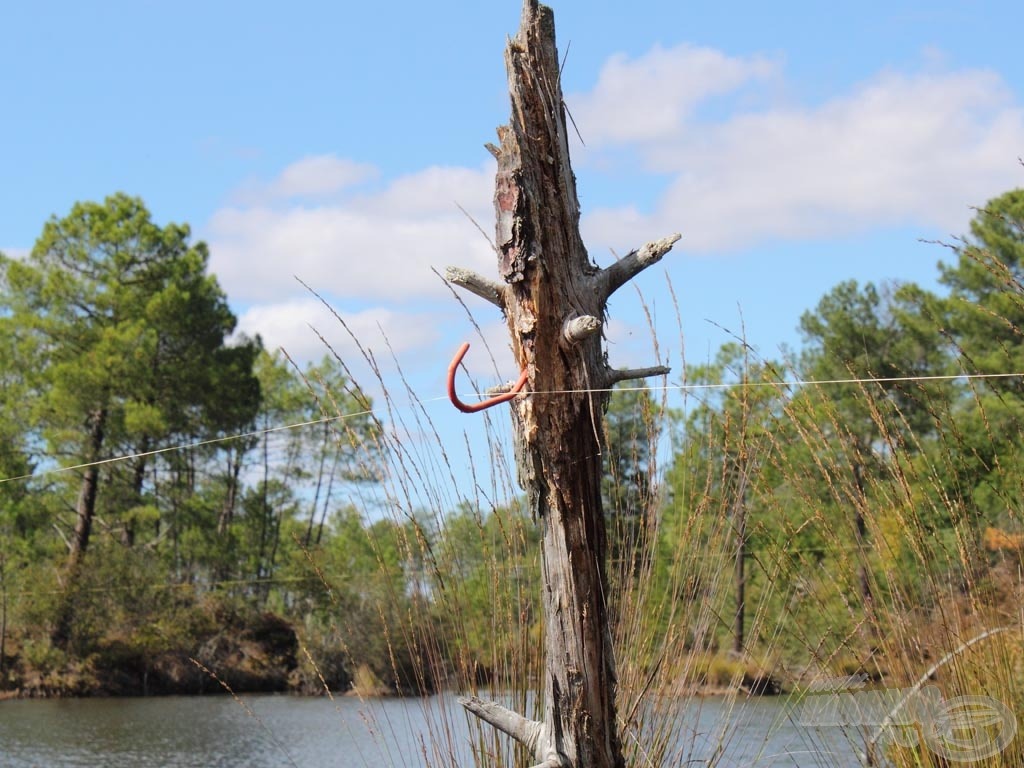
[[554, 299]]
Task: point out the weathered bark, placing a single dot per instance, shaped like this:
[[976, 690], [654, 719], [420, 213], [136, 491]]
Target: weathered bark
[[553, 297]]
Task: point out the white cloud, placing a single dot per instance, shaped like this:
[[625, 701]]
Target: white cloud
[[742, 169], [651, 97], [380, 245], [897, 150], [435, 191], [316, 177], [290, 324]]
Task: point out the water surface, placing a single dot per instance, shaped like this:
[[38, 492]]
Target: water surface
[[272, 731]]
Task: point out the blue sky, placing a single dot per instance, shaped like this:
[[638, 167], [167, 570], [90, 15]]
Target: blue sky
[[793, 145]]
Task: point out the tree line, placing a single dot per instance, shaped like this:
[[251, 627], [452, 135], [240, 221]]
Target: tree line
[[130, 563], [849, 486], [119, 348]]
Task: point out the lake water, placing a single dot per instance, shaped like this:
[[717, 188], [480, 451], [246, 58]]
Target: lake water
[[272, 731]]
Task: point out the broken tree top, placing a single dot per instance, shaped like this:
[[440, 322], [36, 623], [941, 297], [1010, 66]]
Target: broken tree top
[[549, 287]]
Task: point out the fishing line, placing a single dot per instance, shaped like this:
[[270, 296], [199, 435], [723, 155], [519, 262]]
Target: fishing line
[[780, 383], [186, 446], [638, 388]]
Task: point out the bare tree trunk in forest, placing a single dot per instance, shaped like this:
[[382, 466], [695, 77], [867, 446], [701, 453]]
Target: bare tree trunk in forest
[[3, 610], [85, 511], [138, 480], [743, 470], [861, 530], [554, 299], [227, 510], [156, 501], [319, 485], [264, 503], [222, 571], [739, 620], [327, 497]]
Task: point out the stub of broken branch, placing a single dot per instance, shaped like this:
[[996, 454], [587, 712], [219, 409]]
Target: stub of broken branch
[[530, 733], [618, 274], [525, 731], [482, 286], [580, 327], [614, 375]]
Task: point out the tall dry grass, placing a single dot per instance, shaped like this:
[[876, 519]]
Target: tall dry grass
[[860, 560]]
